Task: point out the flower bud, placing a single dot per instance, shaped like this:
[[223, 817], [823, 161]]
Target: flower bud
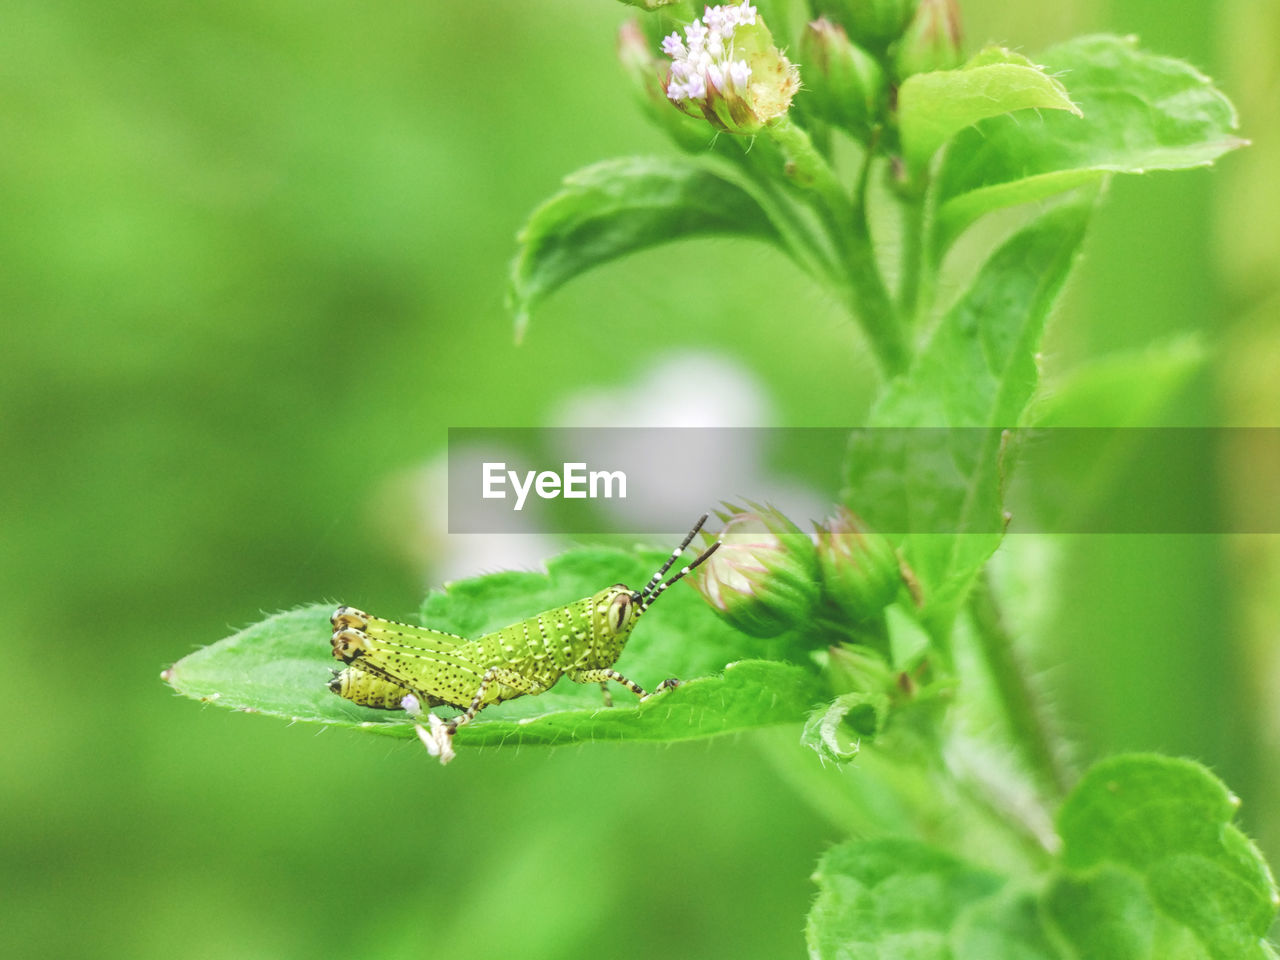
[[726, 70], [844, 84], [860, 570], [764, 577], [932, 41], [873, 24], [852, 666]]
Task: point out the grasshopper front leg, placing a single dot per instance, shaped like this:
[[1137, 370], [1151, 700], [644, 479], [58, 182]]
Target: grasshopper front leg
[[603, 676]]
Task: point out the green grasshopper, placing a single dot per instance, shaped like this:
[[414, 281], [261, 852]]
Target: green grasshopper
[[393, 666]]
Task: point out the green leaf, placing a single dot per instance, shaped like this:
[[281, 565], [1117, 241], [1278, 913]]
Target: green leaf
[[972, 379], [282, 665], [1121, 390], [620, 206], [1006, 926], [933, 107], [891, 899], [1153, 867], [1069, 482], [1141, 112]]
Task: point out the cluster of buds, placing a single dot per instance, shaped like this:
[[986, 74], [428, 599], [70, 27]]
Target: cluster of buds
[[726, 70], [768, 576]]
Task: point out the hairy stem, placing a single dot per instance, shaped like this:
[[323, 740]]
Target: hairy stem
[[1026, 716], [803, 241], [846, 218]]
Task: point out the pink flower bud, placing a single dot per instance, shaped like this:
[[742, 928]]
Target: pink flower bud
[[860, 569], [873, 24], [932, 41], [844, 85], [764, 577]]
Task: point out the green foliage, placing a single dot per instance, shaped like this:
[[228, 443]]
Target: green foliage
[[974, 378], [934, 107], [281, 666], [1002, 857], [1150, 867], [621, 206], [1121, 390], [1139, 112], [884, 899]]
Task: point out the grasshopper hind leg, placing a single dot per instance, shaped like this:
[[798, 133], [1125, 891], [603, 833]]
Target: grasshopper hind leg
[[438, 735]]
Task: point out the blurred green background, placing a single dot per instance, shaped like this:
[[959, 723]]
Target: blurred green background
[[253, 267]]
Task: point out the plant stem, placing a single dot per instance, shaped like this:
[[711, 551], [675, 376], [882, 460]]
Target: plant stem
[[912, 256], [799, 236], [881, 321], [1028, 724], [846, 219], [870, 300]]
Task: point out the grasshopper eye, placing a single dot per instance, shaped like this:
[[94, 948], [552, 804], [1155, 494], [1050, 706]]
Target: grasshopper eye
[[620, 612]]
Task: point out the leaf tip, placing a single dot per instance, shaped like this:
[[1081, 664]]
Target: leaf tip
[[521, 325]]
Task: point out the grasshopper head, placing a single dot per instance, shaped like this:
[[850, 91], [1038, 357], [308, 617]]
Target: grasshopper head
[[618, 608]]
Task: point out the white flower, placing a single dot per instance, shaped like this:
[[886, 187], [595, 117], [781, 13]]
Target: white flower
[[726, 70], [704, 60]]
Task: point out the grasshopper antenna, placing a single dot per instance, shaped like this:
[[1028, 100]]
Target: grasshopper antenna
[[657, 577], [651, 595]]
